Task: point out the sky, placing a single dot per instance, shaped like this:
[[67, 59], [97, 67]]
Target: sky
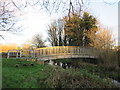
[[107, 15], [36, 21]]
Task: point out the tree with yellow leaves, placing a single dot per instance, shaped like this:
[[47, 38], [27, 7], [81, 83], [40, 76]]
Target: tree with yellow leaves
[[102, 39]]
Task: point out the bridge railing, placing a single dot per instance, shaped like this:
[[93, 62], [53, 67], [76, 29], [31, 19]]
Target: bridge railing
[[65, 50], [57, 50], [14, 53]]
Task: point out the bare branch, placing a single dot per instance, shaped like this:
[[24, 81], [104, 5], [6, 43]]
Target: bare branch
[[7, 16], [2, 37], [15, 5], [110, 3]]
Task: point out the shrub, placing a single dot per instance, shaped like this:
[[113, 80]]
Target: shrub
[[4, 55], [108, 58], [118, 56], [72, 78]]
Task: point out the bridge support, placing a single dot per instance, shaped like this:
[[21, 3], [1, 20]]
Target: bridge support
[[20, 53], [41, 62], [8, 54], [17, 54]]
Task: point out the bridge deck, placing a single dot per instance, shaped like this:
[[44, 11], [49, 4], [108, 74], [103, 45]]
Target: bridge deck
[[57, 52], [45, 58]]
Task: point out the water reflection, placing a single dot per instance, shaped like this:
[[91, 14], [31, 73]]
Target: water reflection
[[50, 62], [61, 64]]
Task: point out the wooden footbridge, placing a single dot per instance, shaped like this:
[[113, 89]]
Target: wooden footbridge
[[58, 52]]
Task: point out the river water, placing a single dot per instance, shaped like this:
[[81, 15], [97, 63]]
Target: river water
[[63, 65]]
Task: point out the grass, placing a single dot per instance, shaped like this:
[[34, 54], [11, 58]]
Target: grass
[[24, 76], [46, 76]]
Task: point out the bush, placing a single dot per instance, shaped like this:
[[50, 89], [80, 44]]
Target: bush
[[75, 78], [118, 56], [4, 55], [108, 58]]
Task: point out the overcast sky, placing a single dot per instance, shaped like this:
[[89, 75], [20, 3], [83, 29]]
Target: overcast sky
[[37, 21]]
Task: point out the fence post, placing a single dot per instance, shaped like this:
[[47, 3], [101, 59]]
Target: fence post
[[20, 53], [8, 54], [38, 53], [17, 54], [33, 53]]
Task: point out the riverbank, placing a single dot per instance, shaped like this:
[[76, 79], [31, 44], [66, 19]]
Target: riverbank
[[32, 75], [92, 67]]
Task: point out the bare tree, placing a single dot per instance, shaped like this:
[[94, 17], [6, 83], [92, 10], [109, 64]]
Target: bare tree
[[53, 6], [56, 33], [7, 17], [37, 41]]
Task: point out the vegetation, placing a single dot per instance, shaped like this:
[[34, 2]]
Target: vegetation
[[56, 33], [9, 8], [108, 58], [102, 39], [93, 68], [79, 30], [37, 41], [74, 30], [118, 56], [45, 76], [77, 78], [24, 76]]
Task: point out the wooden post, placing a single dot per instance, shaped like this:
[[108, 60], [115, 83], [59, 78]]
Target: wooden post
[[47, 51], [8, 54], [57, 50], [17, 54], [44, 51], [33, 53], [72, 49], [50, 51], [75, 50], [41, 52], [20, 53], [78, 50], [66, 50], [38, 52]]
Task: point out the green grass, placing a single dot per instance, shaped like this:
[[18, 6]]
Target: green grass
[[24, 76], [46, 76]]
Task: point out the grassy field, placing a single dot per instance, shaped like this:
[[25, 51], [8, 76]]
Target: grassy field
[[24, 76], [46, 76]]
